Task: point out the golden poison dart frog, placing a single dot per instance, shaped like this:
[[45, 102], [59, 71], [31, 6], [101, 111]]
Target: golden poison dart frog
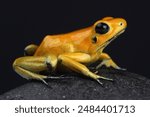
[[74, 50]]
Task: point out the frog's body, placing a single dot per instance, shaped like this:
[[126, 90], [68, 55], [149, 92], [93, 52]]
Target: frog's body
[[73, 50], [65, 43]]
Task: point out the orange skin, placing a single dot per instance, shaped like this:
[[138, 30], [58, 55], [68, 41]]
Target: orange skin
[[74, 50]]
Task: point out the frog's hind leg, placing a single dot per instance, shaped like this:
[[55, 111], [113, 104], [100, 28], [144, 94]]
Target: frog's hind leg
[[30, 67], [30, 50], [71, 63]]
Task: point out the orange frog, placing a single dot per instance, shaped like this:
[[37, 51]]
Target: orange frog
[[74, 50]]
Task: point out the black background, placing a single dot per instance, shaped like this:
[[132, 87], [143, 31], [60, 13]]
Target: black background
[[22, 23]]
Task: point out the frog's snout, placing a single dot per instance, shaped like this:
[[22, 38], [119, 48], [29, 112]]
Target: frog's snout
[[117, 21], [122, 22]]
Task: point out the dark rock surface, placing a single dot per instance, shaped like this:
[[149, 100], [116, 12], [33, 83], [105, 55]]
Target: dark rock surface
[[126, 85]]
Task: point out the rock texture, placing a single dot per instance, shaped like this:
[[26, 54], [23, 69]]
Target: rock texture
[[126, 85]]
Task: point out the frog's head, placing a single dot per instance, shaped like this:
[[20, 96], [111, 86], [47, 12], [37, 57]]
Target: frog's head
[[106, 30]]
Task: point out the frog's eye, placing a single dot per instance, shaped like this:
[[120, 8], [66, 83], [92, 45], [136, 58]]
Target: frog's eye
[[101, 28]]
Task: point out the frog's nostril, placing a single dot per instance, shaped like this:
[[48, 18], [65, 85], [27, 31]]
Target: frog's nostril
[[120, 24]]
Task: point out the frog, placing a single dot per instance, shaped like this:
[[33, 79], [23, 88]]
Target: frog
[[74, 50]]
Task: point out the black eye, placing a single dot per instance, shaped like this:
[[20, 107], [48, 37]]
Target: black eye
[[102, 28]]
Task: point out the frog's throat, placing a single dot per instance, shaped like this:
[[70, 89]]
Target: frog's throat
[[109, 41]]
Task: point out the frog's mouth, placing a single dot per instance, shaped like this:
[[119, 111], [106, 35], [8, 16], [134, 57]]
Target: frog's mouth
[[110, 40]]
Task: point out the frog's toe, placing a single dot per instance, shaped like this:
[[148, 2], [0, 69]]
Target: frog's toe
[[98, 80], [101, 77], [96, 72], [55, 77], [119, 68], [44, 82], [99, 66]]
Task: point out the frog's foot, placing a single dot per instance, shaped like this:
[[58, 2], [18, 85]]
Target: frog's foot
[[104, 78], [109, 63], [30, 50]]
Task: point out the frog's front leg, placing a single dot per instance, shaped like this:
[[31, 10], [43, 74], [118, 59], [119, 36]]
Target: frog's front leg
[[108, 62], [29, 67], [74, 62]]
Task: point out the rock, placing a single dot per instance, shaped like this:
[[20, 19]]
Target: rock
[[126, 85]]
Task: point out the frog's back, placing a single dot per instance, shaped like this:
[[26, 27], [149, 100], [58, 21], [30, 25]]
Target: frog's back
[[62, 43], [49, 45]]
